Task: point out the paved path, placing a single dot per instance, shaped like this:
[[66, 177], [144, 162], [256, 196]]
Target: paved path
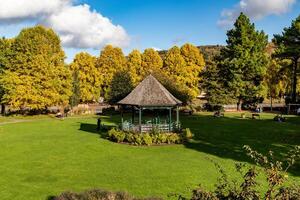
[[15, 121]]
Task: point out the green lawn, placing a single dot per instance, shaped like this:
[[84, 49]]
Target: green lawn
[[45, 156]]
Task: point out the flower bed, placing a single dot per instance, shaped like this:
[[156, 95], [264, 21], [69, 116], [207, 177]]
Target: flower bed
[[151, 138]]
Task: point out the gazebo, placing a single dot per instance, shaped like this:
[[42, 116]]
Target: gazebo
[[152, 95]]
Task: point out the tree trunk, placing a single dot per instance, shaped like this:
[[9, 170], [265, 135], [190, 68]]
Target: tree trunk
[[294, 86], [271, 103], [239, 104], [3, 109]]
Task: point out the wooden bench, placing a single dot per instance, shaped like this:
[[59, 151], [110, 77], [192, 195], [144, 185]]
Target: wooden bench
[[254, 115], [218, 114], [187, 112]]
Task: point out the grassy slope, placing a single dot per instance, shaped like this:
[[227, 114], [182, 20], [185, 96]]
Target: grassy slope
[[45, 157]]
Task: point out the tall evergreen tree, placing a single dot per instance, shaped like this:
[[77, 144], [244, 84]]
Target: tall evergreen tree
[[194, 66], [134, 65], [110, 61], [213, 86], [151, 62], [288, 44], [88, 75], [243, 62], [36, 76]]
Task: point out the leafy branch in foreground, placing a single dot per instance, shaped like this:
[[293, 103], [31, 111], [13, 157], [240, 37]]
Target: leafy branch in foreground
[[275, 171]]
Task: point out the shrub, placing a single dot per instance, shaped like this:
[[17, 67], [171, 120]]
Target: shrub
[[161, 138], [173, 138], [187, 134], [130, 138], [138, 139], [116, 135], [147, 139], [274, 171]]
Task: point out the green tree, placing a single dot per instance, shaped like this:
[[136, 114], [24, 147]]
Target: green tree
[[36, 76], [110, 61], [213, 85], [288, 44], [243, 61], [134, 65], [194, 66], [88, 75], [151, 62], [120, 87]]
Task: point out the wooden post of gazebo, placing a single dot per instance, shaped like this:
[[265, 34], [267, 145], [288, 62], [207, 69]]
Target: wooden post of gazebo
[[177, 116], [170, 119], [132, 114], [140, 119], [151, 94]]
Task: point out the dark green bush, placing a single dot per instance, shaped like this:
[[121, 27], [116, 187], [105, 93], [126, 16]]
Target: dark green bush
[[98, 194]]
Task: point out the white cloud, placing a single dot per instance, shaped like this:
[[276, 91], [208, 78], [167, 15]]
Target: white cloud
[[80, 27], [77, 25], [20, 10], [255, 9]]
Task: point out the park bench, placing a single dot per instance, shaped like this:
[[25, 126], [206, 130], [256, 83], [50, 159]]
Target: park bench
[[187, 112], [279, 118], [218, 114], [255, 115]]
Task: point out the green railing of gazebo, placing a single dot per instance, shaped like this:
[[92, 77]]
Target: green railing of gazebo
[[148, 127]]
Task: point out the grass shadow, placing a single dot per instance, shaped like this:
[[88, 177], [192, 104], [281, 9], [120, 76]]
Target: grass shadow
[[225, 137], [90, 128]]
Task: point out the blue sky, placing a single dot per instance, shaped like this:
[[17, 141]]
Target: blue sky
[[149, 23]]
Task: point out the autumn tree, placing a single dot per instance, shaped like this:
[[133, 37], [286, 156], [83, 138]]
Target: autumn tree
[[75, 98], [134, 65], [243, 61], [151, 62], [36, 76], [194, 66], [88, 75], [5, 51], [121, 85], [174, 70], [110, 61], [288, 47]]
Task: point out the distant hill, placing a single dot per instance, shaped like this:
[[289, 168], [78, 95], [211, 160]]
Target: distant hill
[[208, 51]]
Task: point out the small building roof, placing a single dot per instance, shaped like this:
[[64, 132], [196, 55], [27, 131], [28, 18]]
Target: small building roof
[[150, 92]]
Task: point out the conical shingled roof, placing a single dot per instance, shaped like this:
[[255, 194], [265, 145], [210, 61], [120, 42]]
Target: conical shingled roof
[[150, 92]]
